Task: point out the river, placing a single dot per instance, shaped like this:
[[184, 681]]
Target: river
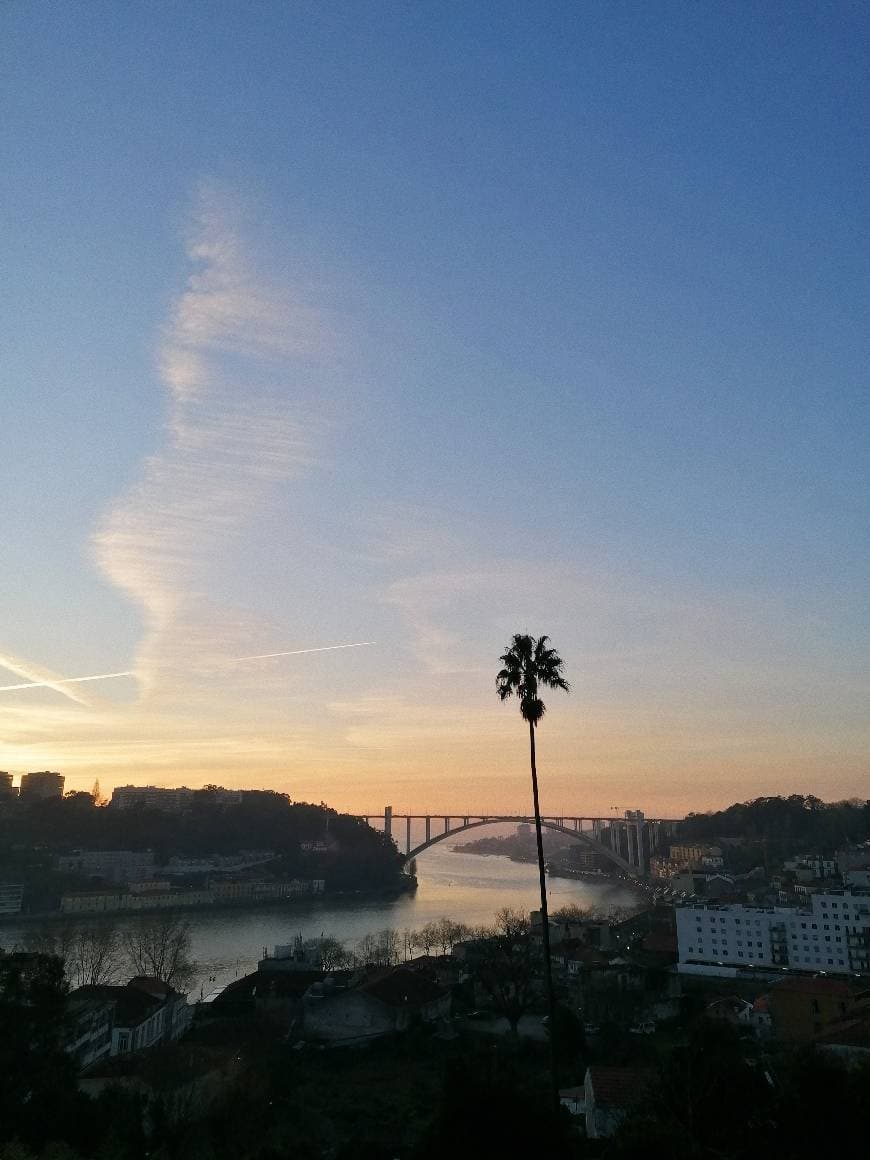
[[468, 888]]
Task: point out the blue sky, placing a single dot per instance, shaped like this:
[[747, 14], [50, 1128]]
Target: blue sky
[[425, 324]]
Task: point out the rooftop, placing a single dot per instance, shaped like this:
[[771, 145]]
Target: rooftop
[[617, 1087]]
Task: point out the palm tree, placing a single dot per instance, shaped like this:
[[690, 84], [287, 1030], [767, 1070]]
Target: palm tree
[[530, 665]]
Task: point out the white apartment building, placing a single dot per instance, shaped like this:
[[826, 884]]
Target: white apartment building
[[172, 799], [41, 785], [832, 935], [152, 797]]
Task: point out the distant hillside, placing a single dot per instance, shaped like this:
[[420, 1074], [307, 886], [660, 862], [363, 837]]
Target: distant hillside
[[782, 826], [309, 841]]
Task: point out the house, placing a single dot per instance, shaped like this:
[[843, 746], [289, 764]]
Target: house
[[184, 1080], [145, 1012], [598, 970], [705, 884], [574, 1099], [89, 1036], [372, 1004], [609, 1094], [730, 1009]]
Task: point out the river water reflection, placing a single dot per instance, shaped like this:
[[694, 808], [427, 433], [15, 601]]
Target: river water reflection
[[466, 887]]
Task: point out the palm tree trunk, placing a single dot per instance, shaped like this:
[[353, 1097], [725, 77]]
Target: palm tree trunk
[[545, 924]]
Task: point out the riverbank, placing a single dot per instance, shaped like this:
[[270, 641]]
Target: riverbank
[[227, 943], [217, 906]]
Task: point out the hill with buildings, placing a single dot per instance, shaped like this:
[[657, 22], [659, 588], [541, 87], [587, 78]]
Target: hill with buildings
[[153, 848]]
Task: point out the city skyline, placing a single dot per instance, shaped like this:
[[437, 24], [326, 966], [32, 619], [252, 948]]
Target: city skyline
[[361, 325]]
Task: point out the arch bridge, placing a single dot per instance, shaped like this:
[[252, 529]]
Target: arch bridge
[[625, 842]]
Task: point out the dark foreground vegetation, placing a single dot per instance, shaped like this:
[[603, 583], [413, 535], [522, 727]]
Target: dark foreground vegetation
[[238, 1087]]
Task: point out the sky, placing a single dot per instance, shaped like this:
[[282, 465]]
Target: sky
[[424, 324]]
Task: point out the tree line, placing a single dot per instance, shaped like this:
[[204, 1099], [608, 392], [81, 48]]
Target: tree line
[[773, 828], [105, 953]]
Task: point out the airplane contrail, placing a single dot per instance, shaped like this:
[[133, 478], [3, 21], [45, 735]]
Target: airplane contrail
[[64, 681], [295, 652], [299, 651]]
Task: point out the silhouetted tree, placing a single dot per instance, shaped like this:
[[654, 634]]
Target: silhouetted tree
[[158, 945], [528, 666], [38, 1095], [505, 964]]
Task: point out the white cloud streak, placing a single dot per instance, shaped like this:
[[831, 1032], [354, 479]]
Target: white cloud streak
[[295, 652], [39, 677], [66, 681], [236, 429]]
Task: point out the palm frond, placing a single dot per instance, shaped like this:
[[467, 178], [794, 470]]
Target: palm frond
[[529, 663]]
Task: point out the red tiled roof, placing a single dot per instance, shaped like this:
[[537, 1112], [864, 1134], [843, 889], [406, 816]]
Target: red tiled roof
[[617, 1087]]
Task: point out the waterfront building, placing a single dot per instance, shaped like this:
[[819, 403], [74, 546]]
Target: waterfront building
[[111, 902], [41, 785], [831, 935], [160, 896]]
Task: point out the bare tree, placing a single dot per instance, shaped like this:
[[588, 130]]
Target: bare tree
[[409, 942], [334, 956], [91, 954], [96, 956], [57, 939], [389, 945], [158, 945], [573, 912], [448, 933], [381, 949], [428, 936]]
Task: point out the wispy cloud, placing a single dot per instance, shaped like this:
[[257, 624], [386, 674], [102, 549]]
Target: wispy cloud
[[40, 677], [237, 426]]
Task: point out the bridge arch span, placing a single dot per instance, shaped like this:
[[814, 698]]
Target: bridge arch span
[[578, 835]]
